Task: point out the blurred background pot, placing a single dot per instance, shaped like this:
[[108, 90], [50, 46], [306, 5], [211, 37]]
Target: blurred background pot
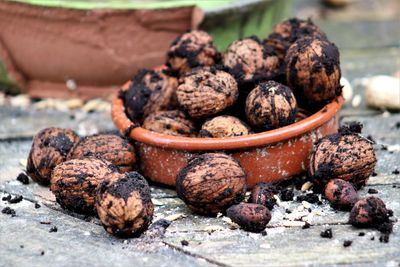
[[87, 49]]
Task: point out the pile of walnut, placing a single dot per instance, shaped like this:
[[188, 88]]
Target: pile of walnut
[[202, 93]]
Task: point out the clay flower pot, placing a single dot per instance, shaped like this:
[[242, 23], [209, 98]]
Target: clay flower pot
[[269, 156]]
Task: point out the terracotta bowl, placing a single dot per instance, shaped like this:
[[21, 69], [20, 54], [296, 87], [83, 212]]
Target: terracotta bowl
[[270, 156]]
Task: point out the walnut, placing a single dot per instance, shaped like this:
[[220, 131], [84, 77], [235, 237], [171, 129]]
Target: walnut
[[271, 105], [224, 126], [341, 194], [287, 32], [124, 204], [263, 194], [369, 212], [149, 91], [251, 217], [248, 59], [49, 148], [111, 147], [211, 182], [190, 50], [172, 122], [74, 182], [313, 71], [345, 155], [206, 92]]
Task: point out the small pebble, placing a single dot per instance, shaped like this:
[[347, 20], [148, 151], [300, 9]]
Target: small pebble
[[23, 178], [326, 233], [347, 243], [356, 102], [306, 186]]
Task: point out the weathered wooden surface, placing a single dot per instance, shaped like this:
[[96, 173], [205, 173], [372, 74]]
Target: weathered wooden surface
[[81, 240]]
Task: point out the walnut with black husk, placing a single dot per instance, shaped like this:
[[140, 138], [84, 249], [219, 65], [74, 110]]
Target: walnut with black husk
[[371, 212], [206, 92], [190, 50], [313, 71], [249, 60], [263, 194], [210, 183], [171, 122], [50, 147], [345, 155], [271, 105], [285, 33], [224, 126], [113, 148], [150, 91], [251, 217], [124, 204], [74, 182], [341, 194]]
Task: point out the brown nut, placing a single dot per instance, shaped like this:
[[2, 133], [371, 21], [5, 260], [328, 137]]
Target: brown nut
[[124, 204], [250, 217], [49, 148], [345, 155], [206, 92], [313, 71], [287, 32], [271, 105], [369, 212], [113, 148], [190, 50], [149, 91], [263, 194], [341, 194], [172, 122], [74, 182], [224, 126], [210, 183], [248, 59]]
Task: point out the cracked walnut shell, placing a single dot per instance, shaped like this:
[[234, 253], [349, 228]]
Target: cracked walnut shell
[[271, 105], [111, 147], [124, 204], [224, 126], [206, 92], [171, 122], [74, 182], [50, 147], [211, 182]]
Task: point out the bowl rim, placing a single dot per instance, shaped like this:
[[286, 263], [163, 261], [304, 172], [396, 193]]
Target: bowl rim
[[137, 133]]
